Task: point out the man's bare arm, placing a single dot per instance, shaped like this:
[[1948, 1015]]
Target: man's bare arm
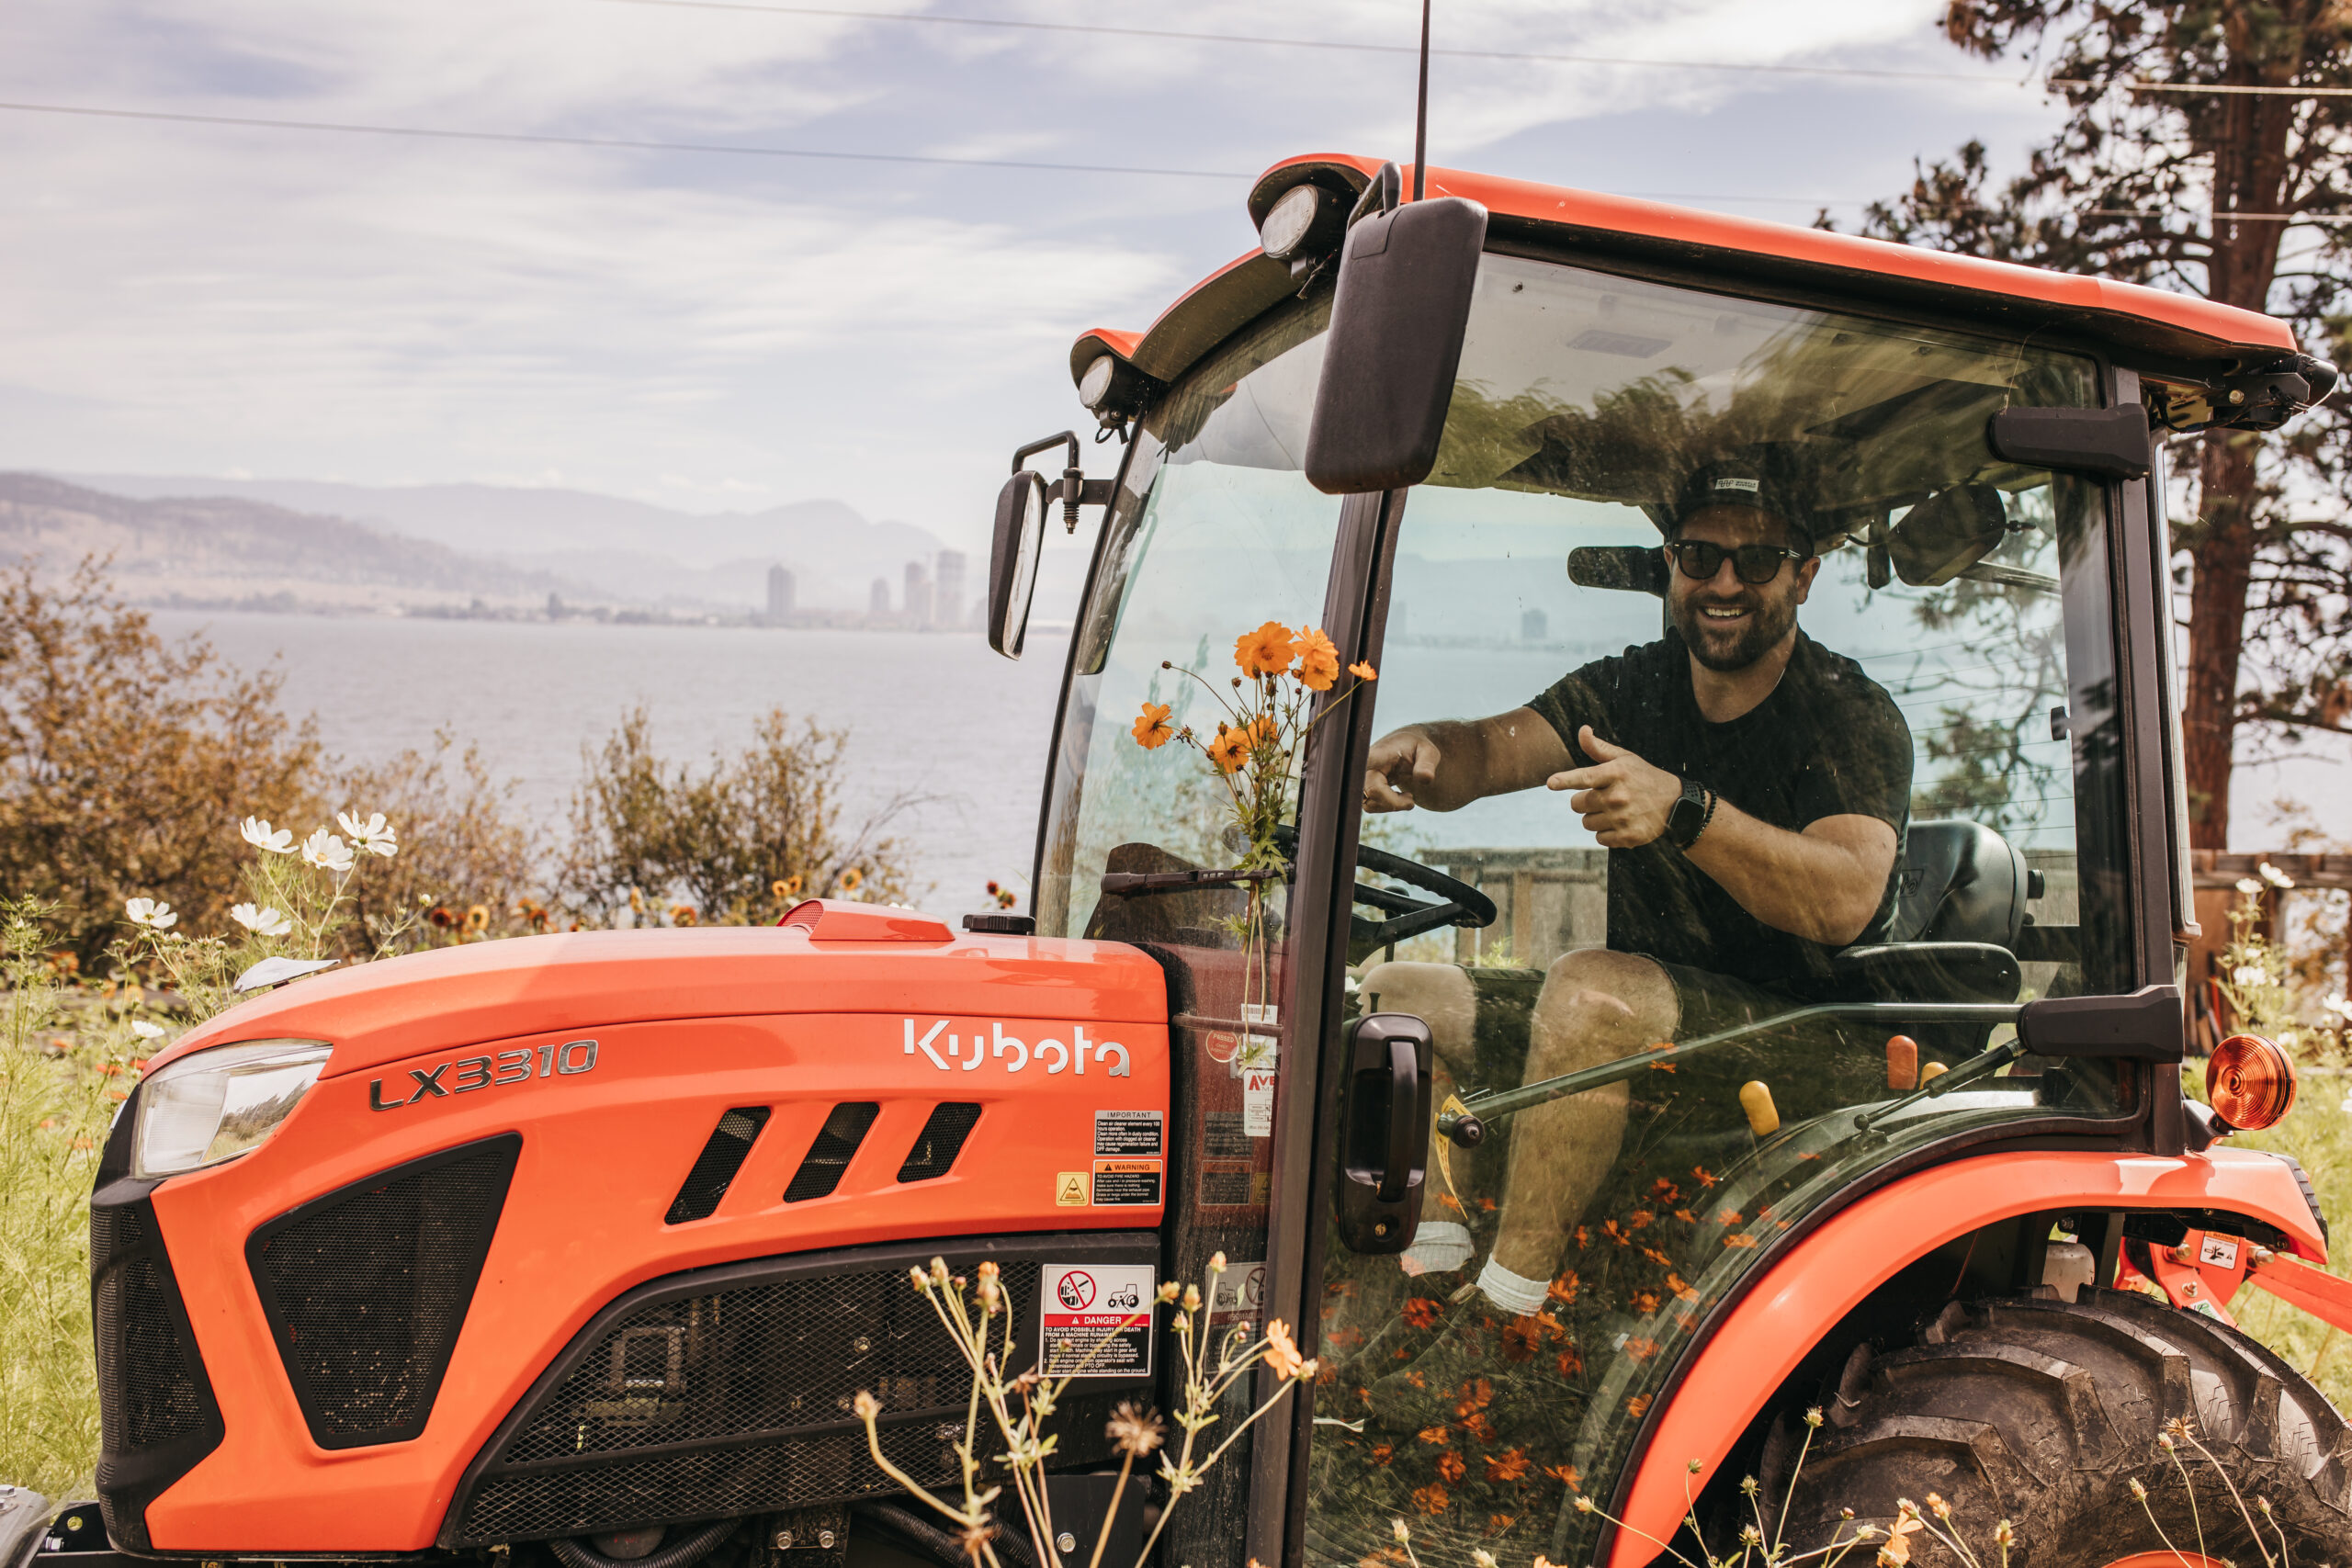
[[1446, 765], [1824, 884]]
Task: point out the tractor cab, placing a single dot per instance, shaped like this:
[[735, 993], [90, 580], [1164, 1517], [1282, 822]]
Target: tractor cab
[[1547, 1081]]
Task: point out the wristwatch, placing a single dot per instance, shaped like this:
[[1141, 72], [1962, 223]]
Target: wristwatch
[[1690, 816]]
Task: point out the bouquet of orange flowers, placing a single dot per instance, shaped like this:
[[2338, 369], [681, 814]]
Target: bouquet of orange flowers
[[1257, 744]]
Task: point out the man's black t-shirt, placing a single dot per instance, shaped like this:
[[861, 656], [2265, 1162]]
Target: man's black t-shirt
[[1828, 743]]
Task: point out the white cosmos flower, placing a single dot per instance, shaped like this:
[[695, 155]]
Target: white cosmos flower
[[375, 835], [262, 921], [146, 1030], [2337, 1005], [2247, 974], [151, 912], [2248, 885], [262, 836], [326, 852], [2274, 876]]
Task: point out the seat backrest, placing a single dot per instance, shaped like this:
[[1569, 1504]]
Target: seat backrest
[[1960, 881]]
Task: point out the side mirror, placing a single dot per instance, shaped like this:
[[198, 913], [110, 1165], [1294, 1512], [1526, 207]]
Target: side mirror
[[1405, 279], [1021, 534], [1640, 568], [1013, 559], [1947, 534]]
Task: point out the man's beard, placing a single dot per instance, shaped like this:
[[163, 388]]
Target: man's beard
[[1728, 646]]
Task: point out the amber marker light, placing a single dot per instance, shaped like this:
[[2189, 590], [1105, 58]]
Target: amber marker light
[[2250, 1083]]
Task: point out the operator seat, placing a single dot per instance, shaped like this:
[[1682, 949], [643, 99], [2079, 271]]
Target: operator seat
[[1960, 904]]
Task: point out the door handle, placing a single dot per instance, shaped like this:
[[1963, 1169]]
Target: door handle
[[1383, 1131]]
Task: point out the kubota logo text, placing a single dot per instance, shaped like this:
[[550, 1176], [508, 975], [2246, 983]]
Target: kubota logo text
[[997, 1045], [468, 1073]]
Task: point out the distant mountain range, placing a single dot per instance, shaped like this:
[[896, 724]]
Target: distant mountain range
[[222, 541]]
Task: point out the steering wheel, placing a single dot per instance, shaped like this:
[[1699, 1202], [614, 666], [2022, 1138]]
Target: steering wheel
[[1457, 903]]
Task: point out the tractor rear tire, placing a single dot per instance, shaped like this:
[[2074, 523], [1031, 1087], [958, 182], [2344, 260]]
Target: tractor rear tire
[[2044, 1414]]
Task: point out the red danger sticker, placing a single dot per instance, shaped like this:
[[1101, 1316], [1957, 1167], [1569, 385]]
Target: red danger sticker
[[1095, 1321]]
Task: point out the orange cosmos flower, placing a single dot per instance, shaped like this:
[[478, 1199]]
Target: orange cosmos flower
[[1151, 728], [1362, 670], [1266, 652], [1229, 750], [1319, 661]]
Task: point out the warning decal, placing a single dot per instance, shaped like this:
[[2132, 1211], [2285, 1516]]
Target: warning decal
[[1127, 1133], [1119, 1182], [1095, 1321], [1070, 1189]]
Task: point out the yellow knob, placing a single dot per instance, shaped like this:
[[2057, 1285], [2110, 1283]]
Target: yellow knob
[[1763, 1117], [1931, 1071]]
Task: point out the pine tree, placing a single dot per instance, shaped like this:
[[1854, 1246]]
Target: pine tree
[[2202, 152]]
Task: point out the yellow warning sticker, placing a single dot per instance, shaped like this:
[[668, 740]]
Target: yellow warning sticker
[[1071, 1190]]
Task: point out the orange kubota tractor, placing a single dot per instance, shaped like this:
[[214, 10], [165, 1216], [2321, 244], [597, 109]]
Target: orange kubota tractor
[[1726, 964]]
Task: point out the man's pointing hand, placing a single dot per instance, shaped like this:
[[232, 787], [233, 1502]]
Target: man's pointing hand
[[1623, 799]]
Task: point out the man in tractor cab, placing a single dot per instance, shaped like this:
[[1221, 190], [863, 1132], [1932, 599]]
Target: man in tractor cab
[[1753, 790]]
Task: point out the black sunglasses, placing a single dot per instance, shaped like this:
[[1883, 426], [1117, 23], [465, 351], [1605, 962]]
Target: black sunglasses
[[1753, 564]]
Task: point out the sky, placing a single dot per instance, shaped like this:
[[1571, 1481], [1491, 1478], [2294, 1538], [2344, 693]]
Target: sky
[[718, 331]]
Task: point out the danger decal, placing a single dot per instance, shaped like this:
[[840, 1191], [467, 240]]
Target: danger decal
[[1095, 1321]]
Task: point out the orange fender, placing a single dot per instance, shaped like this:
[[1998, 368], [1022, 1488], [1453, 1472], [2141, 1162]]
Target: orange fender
[[1757, 1344]]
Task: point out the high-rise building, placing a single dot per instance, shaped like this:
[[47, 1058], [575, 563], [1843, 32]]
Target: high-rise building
[[947, 608], [779, 595], [916, 609], [877, 604]]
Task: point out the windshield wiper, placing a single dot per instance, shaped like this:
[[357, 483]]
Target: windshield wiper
[[1132, 884], [1468, 1126]]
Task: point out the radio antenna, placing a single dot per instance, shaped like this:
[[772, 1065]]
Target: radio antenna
[[1421, 110]]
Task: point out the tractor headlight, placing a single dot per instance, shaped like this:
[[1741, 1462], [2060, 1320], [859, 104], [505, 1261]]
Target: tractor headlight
[[217, 1104]]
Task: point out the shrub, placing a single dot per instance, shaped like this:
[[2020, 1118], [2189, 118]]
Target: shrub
[[743, 840], [116, 751]]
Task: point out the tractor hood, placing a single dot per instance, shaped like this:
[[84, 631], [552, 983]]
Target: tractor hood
[[453, 997]]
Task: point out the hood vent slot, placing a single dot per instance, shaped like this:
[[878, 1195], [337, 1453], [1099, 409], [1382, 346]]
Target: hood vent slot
[[829, 1156], [941, 1140], [729, 1145]]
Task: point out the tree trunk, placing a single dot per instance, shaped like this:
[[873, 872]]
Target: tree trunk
[[2250, 175], [2223, 555]]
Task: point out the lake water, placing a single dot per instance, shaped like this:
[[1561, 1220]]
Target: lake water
[[938, 715]]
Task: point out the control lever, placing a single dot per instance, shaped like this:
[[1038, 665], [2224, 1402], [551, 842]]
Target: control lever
[[1383, 1131]]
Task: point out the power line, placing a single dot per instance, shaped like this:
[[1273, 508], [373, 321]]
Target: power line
[[627, 143], [1351, 45], [632, 144]]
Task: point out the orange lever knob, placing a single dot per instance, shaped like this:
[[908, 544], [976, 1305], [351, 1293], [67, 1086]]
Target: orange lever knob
[[1902, 1064]]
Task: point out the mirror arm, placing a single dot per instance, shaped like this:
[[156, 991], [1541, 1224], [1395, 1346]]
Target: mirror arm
[[1073, 490]]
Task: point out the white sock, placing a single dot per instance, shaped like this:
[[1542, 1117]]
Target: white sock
[[1440, 1247], [1516, 1296]]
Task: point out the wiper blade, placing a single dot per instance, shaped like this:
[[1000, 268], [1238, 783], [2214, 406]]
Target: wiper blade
[[1468, 1126], [1132, 884]]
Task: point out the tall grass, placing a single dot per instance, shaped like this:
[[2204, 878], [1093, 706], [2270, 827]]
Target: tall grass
[[55, 1099]]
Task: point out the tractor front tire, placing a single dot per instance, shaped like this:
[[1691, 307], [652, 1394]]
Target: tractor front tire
[[2045, 1413]]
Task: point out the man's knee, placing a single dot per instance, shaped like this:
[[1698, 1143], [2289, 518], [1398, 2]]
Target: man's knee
[[1597, 1004]]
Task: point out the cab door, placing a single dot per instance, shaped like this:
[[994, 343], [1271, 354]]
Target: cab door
[[1663, 1092]]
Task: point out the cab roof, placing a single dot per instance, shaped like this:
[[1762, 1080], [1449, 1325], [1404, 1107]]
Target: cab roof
[[2159, 331]]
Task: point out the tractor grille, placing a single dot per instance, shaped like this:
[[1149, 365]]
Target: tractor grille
[[157, 1414], [367, 1288], [728, 1392], [149, 1397]]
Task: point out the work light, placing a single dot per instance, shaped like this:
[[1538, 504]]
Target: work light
[[215, 1105]]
